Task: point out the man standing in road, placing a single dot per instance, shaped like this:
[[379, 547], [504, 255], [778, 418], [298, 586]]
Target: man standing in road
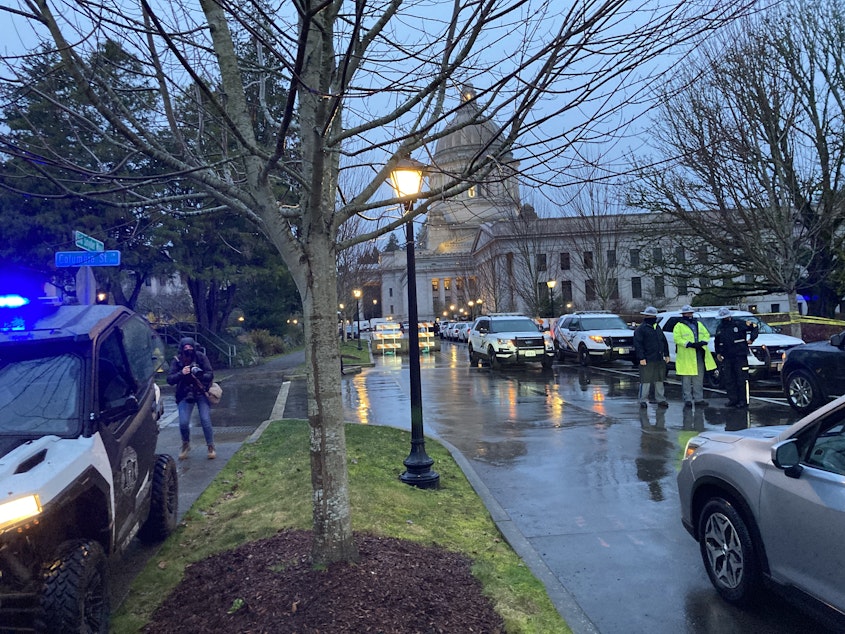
[[692, 357], [653, 355], [732, 339]]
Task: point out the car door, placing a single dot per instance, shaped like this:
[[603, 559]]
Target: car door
[[568, 333], [126, 416], [802, 519]]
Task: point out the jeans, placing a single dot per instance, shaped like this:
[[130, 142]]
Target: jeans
[[186, 409]]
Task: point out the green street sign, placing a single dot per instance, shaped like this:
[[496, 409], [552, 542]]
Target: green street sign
[[87, 242]]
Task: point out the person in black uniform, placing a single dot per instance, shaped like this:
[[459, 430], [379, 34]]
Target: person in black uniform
[[732, 339], [652, 351]]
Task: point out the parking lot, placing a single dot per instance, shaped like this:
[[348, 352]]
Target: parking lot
[[587, 478]]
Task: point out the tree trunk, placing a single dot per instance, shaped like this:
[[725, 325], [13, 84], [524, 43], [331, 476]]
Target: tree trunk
[[332, 539]]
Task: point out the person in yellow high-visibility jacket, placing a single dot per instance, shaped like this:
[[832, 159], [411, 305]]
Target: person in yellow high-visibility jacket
[[692, 357]]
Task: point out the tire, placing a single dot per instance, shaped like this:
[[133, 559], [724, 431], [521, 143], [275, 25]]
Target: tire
[[474, 361], [713, 379], [560, 354], [75, 594], [583, 356], [494, 362], [727, 550], [802, 392], [164, 502]]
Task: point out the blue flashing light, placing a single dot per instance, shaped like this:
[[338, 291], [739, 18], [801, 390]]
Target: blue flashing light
[[13, 301]]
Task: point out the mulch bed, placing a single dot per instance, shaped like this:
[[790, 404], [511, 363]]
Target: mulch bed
[[269, 586]]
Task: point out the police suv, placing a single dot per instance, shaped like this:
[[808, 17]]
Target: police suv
[[79, 476], [508, 339]]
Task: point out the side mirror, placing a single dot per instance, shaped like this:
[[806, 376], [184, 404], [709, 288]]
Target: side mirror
[[785, 456], [837, 340]]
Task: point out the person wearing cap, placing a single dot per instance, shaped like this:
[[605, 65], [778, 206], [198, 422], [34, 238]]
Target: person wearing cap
[[192, 374], [692, 357], [653, 355], [732, 339]]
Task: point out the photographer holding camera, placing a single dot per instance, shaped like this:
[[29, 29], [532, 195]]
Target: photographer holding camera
[[192, 375]]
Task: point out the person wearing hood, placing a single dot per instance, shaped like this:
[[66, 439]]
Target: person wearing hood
[[653, 353], [692, 356], [192, 374], [732, 339]]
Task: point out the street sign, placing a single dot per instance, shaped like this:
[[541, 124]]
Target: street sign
[[87, 258], [87, 242]]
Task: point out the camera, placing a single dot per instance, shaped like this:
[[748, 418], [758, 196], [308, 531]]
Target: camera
[[195, 369]]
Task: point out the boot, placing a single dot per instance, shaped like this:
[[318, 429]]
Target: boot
[[211, 453], [186, 449]]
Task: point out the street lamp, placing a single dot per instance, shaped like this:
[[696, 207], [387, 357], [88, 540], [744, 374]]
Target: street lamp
[[406, 178], [551, 284], [357, 295], [471, 305]]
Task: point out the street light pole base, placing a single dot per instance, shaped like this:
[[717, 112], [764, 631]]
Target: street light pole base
[[422, 479]]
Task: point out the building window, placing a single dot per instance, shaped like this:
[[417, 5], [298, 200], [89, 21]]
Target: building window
[[588, 259], [611, 259], [564, 262], [775, 308], [659, 286], [566, 291], [657, 255], [637, 287], [390, 294], [614, 288], [435, 285], [634, 256], [590, 290], [471, 192], [703, 258], [680, 255], [447, 284], [459, 284], [681, 283], [541, 261]]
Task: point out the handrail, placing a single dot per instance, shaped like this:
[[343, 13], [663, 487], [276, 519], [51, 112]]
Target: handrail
[[204, 337]]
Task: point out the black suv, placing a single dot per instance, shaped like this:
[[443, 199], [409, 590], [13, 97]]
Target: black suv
[[79, 476], [814, 372]]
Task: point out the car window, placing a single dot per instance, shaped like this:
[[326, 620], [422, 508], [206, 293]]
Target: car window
[[144, 349], [41, 395], [513, 325], [609, 322], [670, 324], [711, 323], [826, 449], [114, 380], [762, 326]]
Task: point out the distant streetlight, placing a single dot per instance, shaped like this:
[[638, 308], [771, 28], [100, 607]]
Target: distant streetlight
[[471, 305], [551, 284], [406, 179], [357, 295]]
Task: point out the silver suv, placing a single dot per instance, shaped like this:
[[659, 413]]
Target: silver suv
[[765, 504], [593, 336], [510, 339]]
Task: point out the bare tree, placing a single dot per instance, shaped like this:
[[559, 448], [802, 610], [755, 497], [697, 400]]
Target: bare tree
[[363, 90], [752, 160]]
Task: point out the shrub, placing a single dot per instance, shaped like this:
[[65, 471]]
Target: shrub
[[266, 344]]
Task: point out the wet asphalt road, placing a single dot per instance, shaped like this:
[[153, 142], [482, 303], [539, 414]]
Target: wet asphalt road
[[586, 479]]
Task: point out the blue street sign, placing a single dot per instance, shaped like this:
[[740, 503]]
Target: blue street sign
[[87, 242], [87, 258]]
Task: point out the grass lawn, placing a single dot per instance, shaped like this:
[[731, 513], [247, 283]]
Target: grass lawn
[[266, 487]]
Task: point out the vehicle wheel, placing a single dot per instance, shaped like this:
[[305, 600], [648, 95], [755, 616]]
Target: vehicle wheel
[[583, 356], [802, 392], [164, 502], [75, 595], [474, 361], [713, 379], [560, 355], [728, 552], [494, 362]]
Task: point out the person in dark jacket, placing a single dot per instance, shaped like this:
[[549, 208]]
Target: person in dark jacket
[[652, 350], [192, 375], [732, 339]]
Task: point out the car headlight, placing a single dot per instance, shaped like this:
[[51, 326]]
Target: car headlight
[[18, 510], [505, 343], [597, 338]]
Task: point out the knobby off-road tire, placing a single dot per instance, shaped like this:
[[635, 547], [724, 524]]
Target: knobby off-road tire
[[75, 595], [727, 550], [164, 502]]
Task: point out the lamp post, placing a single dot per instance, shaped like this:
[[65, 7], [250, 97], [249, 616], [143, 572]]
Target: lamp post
[[551, 284], [357, 295], [406, 179], [471, 305]]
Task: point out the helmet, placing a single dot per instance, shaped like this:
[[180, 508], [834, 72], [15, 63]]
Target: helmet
[[686, 308], [724, 312], [650, 311]]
